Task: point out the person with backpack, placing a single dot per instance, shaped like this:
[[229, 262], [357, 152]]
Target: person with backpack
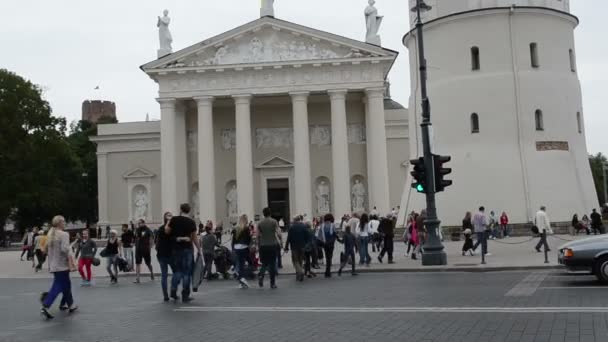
[[87, 249], [267, 238], [350, 248], [298, 237], [327, 235]]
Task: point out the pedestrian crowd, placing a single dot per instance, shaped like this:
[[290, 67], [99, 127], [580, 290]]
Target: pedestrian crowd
[[256, 250]]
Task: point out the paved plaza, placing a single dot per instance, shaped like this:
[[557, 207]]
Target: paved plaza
[[456, 306]]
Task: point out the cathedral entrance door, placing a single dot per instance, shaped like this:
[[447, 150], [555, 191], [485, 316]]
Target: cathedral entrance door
[[278, 198]]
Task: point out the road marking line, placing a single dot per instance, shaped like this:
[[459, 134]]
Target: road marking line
[[574, 287], [395, 309], [527, 287]]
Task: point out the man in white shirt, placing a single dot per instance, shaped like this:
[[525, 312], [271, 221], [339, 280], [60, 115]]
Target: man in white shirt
[[544, 227]]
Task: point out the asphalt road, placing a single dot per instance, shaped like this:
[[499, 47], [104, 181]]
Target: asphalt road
[[501, 306]]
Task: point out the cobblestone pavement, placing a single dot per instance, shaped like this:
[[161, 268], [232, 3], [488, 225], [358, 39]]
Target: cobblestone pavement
[[456, 306], [512, 253]]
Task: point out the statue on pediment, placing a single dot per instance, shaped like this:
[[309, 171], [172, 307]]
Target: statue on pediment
[[164, 35], [267, 9], [372, 23]]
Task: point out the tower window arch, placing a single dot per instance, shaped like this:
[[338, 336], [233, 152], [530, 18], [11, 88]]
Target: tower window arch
[[538, 119], [579, 122], [534, 55], [475, 61], [474, 123]]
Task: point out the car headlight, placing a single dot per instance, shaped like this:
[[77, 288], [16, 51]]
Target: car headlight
[[568, 253]]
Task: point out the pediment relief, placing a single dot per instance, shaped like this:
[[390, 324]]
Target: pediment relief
[[138, 173], [275, 162], [265, 46]]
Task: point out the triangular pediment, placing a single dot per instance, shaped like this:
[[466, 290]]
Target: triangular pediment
[[138, 173], [274, 162], [269, 40]]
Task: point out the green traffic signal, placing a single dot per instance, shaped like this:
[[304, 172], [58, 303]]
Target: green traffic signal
[[420, 188]]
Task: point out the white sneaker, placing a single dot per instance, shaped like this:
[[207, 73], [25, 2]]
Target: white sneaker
[[488, 254], [243, 283]]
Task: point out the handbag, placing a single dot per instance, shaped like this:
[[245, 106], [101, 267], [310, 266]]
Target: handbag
[[104, 253], [96, 262]]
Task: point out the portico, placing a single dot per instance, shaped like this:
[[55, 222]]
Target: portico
[[265, 73]]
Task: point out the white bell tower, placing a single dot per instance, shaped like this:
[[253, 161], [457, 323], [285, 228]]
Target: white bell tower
[[506, 106]]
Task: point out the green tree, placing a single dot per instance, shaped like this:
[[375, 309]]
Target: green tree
[[37, 165], [597, 163]]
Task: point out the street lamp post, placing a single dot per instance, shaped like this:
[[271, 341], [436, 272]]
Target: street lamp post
[[605, 185], [434, 253]]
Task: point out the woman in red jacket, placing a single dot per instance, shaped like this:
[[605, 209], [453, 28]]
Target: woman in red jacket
[[504, 221]]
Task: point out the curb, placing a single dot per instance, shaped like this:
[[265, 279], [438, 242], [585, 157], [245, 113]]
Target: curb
[[431, 269]]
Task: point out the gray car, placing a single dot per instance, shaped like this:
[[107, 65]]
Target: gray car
[[589, 254]]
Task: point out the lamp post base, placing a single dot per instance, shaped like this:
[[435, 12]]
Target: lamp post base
[[435, 258]]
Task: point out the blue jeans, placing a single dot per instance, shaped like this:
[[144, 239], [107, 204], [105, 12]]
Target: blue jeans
[[61, 284], [239, 267], [183, 260], [165, 263], [482, 239], [364, 257]]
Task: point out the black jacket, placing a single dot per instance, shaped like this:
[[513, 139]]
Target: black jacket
[[298, 236], [387, 228]]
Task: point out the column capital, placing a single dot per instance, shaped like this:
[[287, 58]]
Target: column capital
[[166, 101], [205, 99], [299, 95], [374, 92], [337, 93], [242, 98]]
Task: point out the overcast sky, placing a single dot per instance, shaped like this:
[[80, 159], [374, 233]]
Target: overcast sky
[[71, 46]]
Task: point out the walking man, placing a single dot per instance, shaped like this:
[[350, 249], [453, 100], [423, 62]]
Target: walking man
[[544, 227], [298, 236], [480, 225], [182, 230], [143, 247], [596, 222], [268, 240], [208, 243], [387, 230]]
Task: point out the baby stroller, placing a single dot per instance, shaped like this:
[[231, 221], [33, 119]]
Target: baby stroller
[[223, 261]]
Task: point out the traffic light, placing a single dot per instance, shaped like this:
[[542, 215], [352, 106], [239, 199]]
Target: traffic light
[[419, 175], [441, 171]]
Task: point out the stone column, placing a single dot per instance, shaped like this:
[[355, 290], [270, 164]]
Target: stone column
[[102, 181], [339, 149], [376, 135], [301, 152], [244, 158], [369, 151], [206, 159], [181, 153], [168, 158]]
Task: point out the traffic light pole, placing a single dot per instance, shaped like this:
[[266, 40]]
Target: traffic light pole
[[434, 253]]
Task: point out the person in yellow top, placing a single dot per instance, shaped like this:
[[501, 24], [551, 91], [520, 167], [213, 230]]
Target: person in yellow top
[[39, 248]]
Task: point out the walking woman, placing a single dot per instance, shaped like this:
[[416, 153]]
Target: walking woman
[[58, 251], [415, 235], [112, 251], [39, 244], [163, 254], [363, 236], [87, 249], [242, 241]]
